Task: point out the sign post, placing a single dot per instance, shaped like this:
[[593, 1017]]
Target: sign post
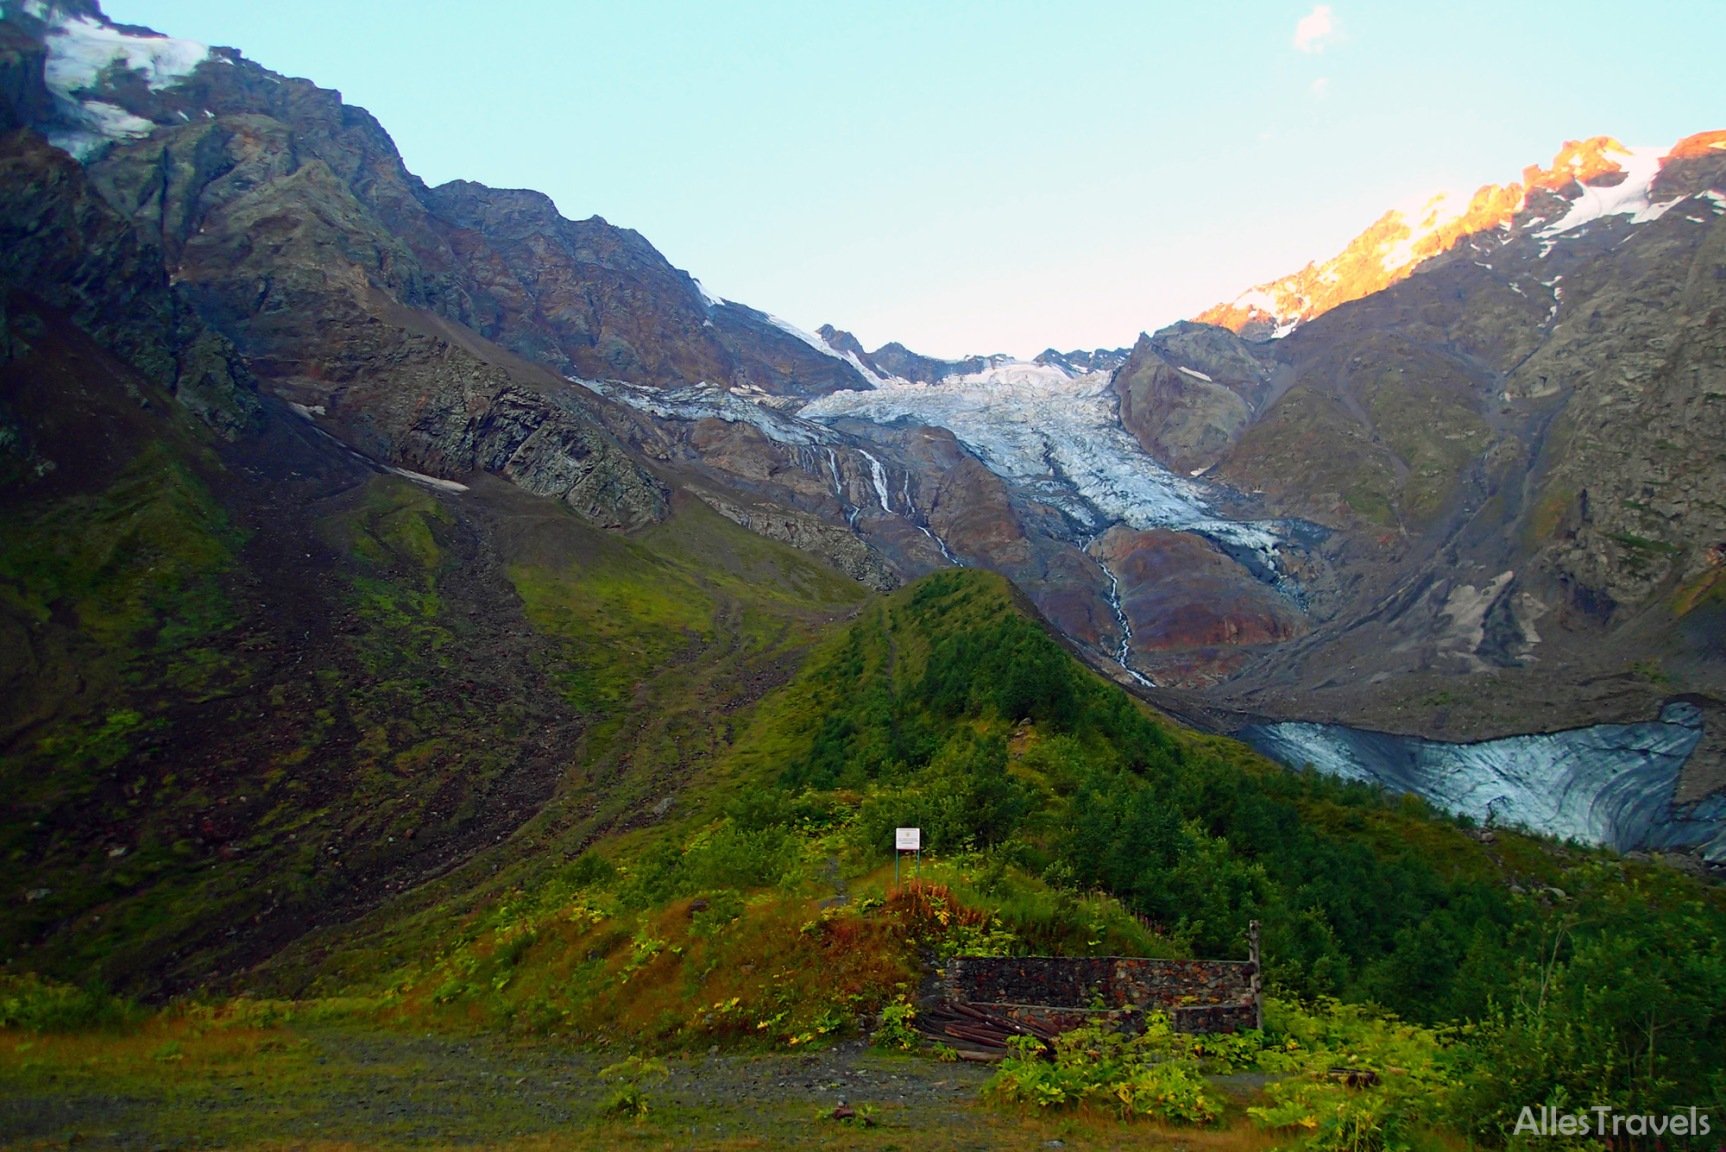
[[907, 840]]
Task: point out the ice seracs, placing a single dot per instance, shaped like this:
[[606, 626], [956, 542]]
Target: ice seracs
[[1055, 435]]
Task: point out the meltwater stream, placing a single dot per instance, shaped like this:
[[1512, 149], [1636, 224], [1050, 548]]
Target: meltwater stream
[[1609, 784]]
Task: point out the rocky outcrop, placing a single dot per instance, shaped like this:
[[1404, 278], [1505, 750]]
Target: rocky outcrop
[[597, 301], [24, 99], [844, 551], [894, 360], [1195, 614], [287, 221], [1183, 415], [61, 244], [1080, 361], [1515, 447]]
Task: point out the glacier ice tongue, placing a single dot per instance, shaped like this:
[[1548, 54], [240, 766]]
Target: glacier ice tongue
[[1053, 434], [1609, 784]]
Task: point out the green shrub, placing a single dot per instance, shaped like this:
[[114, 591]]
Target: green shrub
[[1145, 1075], [628, 1079], [32, 1004], [1352, 1079], [898, 1027]]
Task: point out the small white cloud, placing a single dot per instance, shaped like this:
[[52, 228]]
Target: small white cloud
[[1320, 87], [1316, 29]]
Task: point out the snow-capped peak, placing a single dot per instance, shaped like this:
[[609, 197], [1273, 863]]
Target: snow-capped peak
[[1403, 239], [1629, 197]]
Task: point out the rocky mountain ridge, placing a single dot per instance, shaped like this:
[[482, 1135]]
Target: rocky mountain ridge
[[1586, 178], [895, 362]]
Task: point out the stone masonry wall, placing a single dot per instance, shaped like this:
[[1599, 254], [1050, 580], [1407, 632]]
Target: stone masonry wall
[[1097, 981]]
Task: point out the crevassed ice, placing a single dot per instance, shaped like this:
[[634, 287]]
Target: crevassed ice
[[1609, 784], [1036, 426]]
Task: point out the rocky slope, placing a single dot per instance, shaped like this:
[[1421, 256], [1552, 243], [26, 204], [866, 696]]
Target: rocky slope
[[292, 227], [434, 329], [1513, 450], [262, 671], [894, 361]]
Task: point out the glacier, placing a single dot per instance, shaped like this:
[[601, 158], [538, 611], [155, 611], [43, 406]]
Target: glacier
[[1057, 437], [1609, 784], [80, 50]]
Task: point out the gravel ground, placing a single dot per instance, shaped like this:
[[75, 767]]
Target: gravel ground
[[387, 1089]]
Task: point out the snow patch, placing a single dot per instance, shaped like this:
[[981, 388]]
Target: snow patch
[[1715, 198], [1422, 221], [1629, 197], [1194, 373], [1654, 211], [824, 348], [430, 481], [80, 50], [709, 401], [1257, 298], [712, 300], [98, 123]]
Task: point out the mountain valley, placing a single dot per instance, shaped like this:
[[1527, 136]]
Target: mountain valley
[[422, 605]]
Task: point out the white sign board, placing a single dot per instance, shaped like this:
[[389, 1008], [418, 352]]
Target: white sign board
[[908, 839]]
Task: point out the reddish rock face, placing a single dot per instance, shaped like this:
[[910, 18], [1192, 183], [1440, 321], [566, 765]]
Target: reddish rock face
[[1191, 608]]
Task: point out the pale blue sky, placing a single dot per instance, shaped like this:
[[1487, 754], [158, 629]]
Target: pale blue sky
[[971, 177]]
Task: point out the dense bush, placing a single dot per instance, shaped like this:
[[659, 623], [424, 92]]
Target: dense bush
[[30, 1003], [1138, 1075]]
